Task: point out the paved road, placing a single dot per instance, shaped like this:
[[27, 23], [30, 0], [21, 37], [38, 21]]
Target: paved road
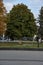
[[13, 57]]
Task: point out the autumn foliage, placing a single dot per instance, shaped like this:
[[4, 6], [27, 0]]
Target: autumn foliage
[[2, 17]]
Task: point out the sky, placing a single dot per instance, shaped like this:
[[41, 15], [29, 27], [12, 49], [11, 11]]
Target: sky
[[34, 5]]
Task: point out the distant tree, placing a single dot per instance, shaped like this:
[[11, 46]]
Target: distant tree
[[41, 23], [2, 18], [21, 23]]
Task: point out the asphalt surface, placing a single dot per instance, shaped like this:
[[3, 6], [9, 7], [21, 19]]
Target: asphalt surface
[[17, 57]]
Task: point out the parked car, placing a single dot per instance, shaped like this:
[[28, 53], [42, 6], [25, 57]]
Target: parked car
[[27, 38]]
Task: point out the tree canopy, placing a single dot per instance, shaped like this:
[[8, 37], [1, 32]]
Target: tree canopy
[[41, 22], [2, 17], [21, 22]]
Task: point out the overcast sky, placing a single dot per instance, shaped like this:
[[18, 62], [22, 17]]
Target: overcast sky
[[34, 5]]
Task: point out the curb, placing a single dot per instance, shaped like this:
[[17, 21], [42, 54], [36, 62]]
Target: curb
[[25, 49]]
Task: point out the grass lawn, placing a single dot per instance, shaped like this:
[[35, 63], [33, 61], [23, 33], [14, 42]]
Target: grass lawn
[[20, 45]]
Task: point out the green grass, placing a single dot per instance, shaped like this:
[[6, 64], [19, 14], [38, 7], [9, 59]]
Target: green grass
[[20, 45]]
